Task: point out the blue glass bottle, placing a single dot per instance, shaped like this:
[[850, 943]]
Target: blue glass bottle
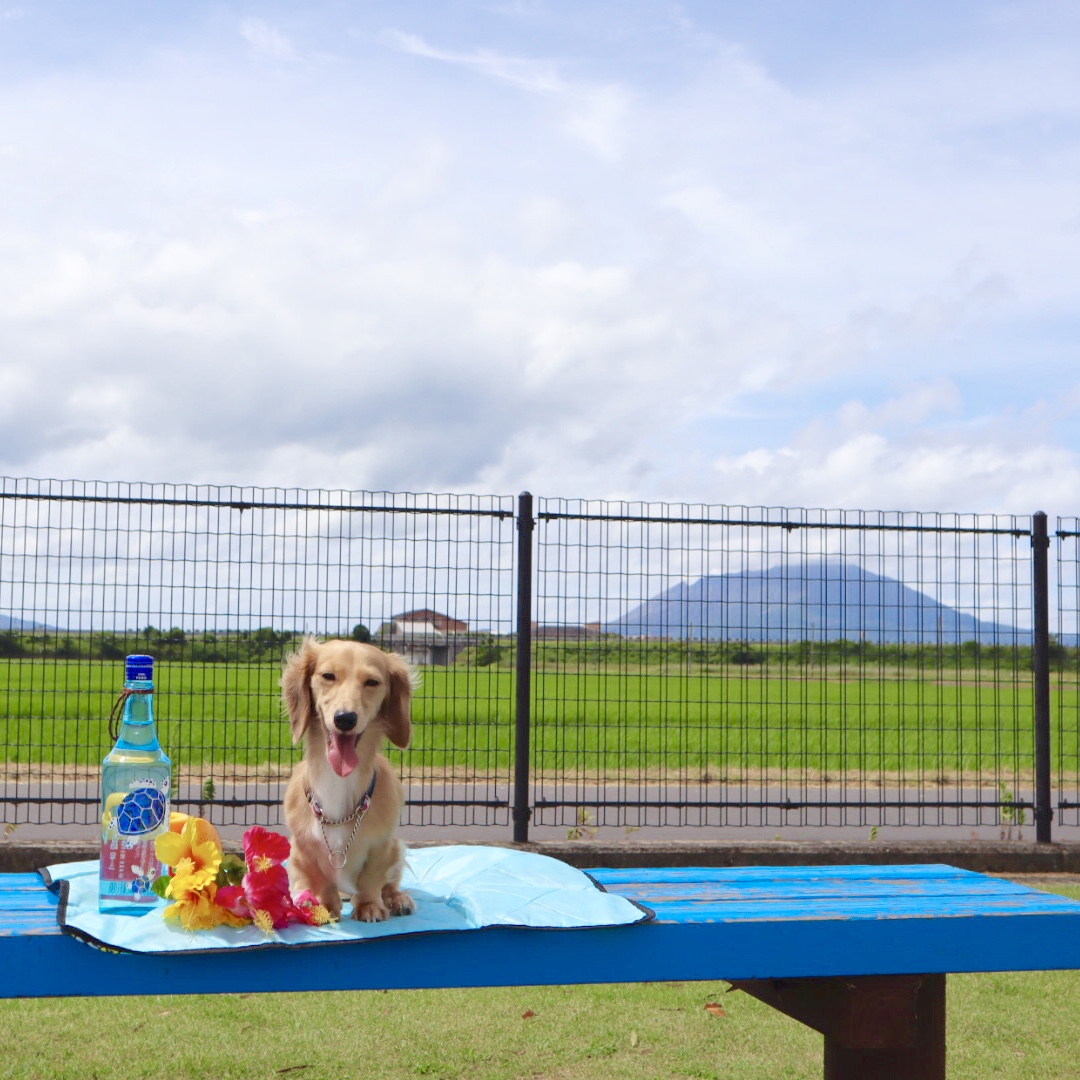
[[136, 777]]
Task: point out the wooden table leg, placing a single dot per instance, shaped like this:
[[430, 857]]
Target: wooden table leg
[[880, 1027]]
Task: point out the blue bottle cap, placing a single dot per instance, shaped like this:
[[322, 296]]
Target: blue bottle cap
[[139, 668]]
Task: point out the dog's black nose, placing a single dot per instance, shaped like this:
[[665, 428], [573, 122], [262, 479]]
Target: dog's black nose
[[344, 721]]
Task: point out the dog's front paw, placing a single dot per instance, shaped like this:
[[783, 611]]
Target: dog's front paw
[[369, 911], [398, 903], [329, 897]]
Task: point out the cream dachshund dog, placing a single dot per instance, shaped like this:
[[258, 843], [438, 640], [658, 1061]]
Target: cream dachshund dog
[[343, 800]]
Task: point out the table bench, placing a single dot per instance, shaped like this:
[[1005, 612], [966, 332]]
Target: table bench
[[859, 953]]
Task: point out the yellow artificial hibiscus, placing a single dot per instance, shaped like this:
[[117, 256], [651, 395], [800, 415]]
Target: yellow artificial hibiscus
[[191, 846], [193, 897], [192, 850], [203, 829]]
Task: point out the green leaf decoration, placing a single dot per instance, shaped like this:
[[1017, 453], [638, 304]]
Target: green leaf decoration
[[232, 871]]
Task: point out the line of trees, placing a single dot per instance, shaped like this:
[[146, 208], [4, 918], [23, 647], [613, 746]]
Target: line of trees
[[612, 651], [266, 644], [211, 647]]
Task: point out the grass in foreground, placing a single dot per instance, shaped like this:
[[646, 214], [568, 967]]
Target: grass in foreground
[[1004, 1026], [565, 1032]]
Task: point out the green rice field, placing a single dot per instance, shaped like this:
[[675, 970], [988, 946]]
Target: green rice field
[[828, 719]]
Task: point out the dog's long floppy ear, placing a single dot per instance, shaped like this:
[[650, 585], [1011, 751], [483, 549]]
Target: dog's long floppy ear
[[397, 708], [296, 687]]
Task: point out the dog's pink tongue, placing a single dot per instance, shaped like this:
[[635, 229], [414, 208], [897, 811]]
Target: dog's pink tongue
[[342, 753]]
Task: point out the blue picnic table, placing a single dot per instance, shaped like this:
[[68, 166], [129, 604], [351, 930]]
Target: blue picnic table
[[859, 953]]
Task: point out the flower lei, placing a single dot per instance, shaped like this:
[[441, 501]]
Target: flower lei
[[209, 888]]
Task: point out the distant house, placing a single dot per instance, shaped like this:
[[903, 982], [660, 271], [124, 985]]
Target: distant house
[[425, 637]]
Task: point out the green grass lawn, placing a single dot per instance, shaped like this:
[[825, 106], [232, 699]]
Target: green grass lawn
[[599, 721], [1013, 1026]]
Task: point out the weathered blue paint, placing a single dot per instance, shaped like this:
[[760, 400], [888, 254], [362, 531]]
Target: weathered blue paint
[[712, 923]]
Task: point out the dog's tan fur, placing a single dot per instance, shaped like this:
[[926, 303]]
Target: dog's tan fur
[[320, 680]]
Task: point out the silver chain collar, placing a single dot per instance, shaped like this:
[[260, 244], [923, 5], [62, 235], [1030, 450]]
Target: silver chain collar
[[339, 855]]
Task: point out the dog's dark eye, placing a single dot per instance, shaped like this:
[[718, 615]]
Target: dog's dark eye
[[329, 676], [371, 682]]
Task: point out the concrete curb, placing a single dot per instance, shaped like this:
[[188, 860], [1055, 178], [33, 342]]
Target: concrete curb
[[985, 856]]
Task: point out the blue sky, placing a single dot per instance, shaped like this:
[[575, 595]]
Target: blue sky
[[779, 253]]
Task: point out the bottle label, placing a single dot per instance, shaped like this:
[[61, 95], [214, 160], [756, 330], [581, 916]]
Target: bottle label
[[129, 866], [131, 823]]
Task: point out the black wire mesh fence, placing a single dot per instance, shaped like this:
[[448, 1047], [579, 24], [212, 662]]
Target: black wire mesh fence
[[584, 664], [1064, 658], [218, 584], [736, 666]]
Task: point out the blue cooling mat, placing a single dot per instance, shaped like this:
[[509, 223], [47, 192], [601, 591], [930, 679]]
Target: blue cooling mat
[[458, 887]]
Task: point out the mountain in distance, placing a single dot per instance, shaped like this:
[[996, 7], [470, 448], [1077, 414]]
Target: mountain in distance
[[8, 623], [815, 600]]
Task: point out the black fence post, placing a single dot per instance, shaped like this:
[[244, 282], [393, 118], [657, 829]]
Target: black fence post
[[523, 715], [1040, 543]]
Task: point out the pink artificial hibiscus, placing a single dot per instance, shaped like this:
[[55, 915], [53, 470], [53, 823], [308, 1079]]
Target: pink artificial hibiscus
[[264, 895]]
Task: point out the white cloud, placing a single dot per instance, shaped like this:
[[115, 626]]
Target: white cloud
[[744, 237], [597, 116], [267, 40], [534, 76], [907, 455], [600, 117], [545, 224], [671, 275]]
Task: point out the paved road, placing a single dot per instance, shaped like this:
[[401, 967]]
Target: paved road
[[65, 812]]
